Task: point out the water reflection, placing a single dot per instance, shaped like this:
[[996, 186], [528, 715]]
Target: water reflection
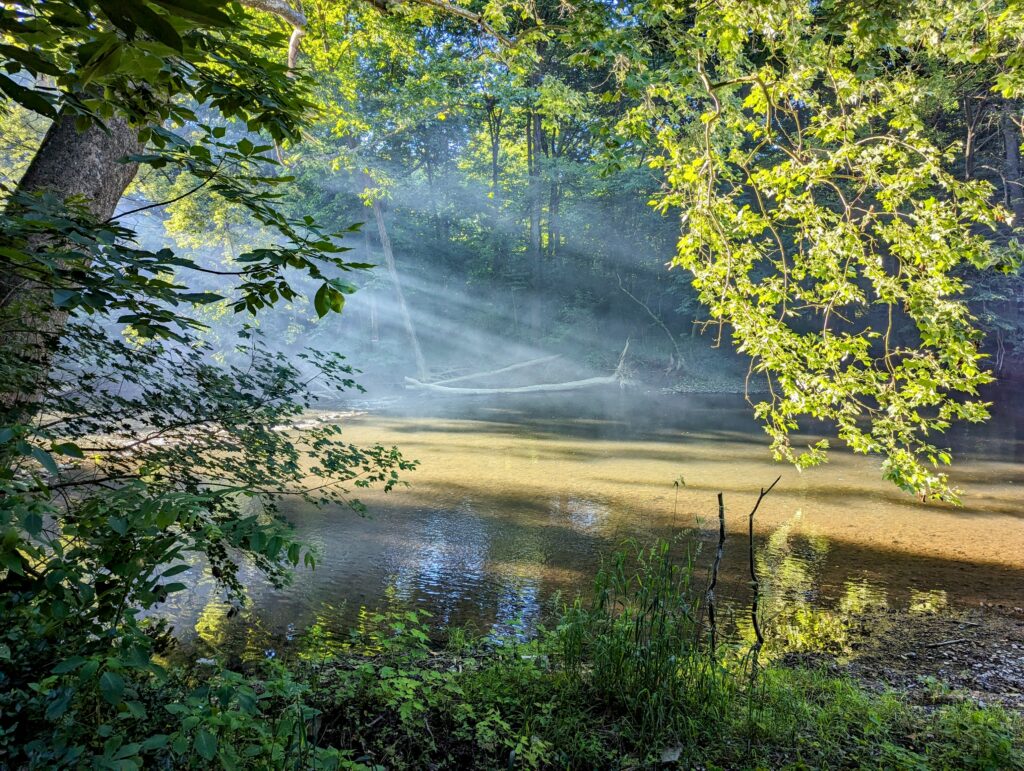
[[793, 613], [583, 514], [447, 562], [514, 504]]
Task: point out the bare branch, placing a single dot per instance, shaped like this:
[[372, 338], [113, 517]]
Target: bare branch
[[283, 10]]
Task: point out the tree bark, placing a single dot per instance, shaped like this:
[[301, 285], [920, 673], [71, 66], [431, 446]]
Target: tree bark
[[1014, 180], [85, 166], [494, 119], [535, 254], [533, 170]]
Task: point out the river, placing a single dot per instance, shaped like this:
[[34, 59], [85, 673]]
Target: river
[[516, 501]]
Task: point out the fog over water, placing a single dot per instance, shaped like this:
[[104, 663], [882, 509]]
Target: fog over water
[[518, 497]]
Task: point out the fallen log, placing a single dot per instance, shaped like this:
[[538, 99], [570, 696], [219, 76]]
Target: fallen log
[[570, 385], [510, 368]]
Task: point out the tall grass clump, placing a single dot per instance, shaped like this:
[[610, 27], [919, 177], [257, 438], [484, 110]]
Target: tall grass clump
[[636, 647]]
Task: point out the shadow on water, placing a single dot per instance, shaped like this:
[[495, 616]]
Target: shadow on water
[[513, 508]]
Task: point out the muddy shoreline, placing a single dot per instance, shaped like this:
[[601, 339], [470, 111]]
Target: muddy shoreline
[[973, 654]]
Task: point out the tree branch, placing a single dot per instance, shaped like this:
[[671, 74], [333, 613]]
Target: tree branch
[[283, 10]]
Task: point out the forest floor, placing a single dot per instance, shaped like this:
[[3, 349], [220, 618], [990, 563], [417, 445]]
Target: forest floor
[[940, 658]]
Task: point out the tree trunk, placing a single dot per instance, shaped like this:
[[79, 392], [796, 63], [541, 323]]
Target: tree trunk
[[533, 169], [535, 254], [554, 225], [389, 261], [87, 166], [494, 120], [1012, 171]]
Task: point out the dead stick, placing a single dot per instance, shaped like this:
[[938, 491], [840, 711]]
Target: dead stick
[[714, 572], [753, 569], [948, 642]]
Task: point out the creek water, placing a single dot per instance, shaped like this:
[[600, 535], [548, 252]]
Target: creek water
[[516, 500]]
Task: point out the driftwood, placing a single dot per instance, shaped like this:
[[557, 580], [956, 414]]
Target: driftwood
[[676, 359], [510, 368], [944, 643], [570, 385]]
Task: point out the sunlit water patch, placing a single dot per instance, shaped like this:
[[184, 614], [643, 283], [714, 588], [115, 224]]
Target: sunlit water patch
[[515, 502]]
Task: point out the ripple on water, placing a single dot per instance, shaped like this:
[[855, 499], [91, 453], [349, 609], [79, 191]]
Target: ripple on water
[[511, 506]]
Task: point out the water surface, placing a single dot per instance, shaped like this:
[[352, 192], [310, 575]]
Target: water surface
[[516, 500]]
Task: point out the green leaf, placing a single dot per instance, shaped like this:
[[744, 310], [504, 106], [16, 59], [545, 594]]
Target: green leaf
[[201, 298], [68, 665], [156, 742], [206, 12], [321, 302], [206, 744], [12, 561], [67, 448], [166, 517], [103, 61], [33, 523], [153, 24], [45, 460], [62, 298], [343, 286], [59, 705], [31, 61], [337, 301], [136, 709], [111, 686], [28, 98]]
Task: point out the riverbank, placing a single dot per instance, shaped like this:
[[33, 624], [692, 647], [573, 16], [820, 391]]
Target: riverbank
[[402, 704], [632, 676], [627, 680], [951, 656]]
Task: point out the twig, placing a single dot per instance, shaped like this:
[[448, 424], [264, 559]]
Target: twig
[[714, 573], [756, 585], [944, 643], [677, 362], [753, 569]]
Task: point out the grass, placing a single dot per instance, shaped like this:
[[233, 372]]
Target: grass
[[625, 680]]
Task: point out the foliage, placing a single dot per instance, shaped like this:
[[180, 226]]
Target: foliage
[[634, 643], [833, 195], [827, 223], [165, 456], [127, 450], [390, 696], [103, 59], [822, 222]]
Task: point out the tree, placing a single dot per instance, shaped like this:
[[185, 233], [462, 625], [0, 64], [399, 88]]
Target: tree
[[822, 221], [123, 458]]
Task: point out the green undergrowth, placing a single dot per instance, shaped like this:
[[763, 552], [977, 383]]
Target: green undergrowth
[[625, 679]]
